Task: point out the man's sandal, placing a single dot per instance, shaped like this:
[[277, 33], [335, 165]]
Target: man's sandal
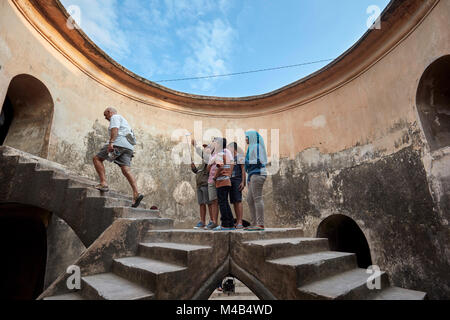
[[138, 201], [102, 187]]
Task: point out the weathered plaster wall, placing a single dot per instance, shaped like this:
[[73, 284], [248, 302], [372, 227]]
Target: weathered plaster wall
[[359, 150]]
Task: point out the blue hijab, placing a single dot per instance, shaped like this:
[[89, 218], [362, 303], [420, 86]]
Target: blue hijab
[[256, 157]]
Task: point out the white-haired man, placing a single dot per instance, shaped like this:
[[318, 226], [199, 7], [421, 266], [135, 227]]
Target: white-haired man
[[120, 149]]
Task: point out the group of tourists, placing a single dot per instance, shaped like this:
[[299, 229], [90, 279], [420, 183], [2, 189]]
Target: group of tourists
[[221, 178]]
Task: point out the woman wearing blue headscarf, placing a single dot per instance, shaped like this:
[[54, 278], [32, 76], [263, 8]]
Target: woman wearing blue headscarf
[[255, 166]]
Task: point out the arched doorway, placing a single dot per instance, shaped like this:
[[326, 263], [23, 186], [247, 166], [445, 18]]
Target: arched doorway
[[345, 235], [23, 245], [27, 113], [433, 103]]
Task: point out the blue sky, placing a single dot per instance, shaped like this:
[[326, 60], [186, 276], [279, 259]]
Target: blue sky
[[172, 39]]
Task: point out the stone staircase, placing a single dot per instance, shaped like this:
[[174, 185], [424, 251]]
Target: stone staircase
[[142, 277], [311, 271], [162, 266], [173, 264]]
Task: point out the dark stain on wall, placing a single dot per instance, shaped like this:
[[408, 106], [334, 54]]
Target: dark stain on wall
[[291, 195]]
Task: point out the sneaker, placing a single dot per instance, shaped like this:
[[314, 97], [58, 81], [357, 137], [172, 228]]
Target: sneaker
[[220, 228], [200, 225], [211, 225]]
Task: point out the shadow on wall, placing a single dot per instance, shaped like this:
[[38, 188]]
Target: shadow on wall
[[344, 235], [25, 123]]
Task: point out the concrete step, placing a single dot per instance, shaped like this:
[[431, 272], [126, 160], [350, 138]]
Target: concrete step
[[396, 293], [109, 286], [36, 186], [191, 236], [27, 165], [145, 271], [14, 158], [313, 266], [23, 172], [67, 296], [157, 223], [129, 212], [284, 247], [200, 236], [110, 202], [176, 253], [50, 174], [90, 191], [268, 233], [351, 284], [27, 157]]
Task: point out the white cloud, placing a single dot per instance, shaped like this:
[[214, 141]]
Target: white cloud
[[100, 21], [162, 37], [210, 45]]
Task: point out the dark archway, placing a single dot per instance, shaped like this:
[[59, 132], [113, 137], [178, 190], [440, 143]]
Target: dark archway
[[344, 235], [32, 106], [23, 244], [433, 103]]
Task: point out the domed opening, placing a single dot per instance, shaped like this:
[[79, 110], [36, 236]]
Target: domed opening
[[27, 115], [344, 235], [433, 103]]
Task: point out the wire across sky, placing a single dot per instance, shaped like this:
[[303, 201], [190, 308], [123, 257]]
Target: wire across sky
[[244, 72]]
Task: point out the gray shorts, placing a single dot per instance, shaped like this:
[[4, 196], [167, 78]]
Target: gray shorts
[[202, 195], [212, 191], [124, 158]]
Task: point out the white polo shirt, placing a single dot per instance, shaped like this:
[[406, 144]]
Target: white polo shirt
[[117, 121]]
